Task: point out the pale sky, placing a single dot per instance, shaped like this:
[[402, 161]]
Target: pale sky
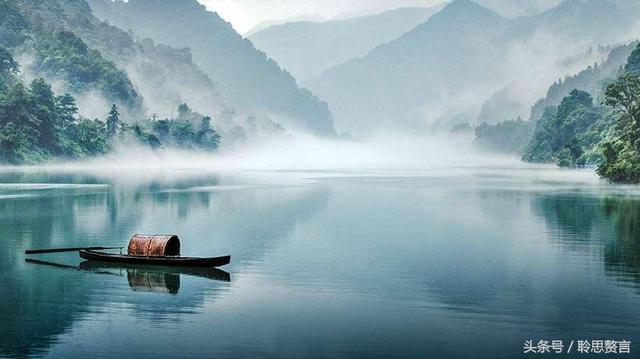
[[245, 14]]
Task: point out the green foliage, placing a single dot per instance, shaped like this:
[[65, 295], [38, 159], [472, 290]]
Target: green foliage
[[206, 137], [113, 121], [190, 130], [622, 152], [505, 137], [11, 24], [594, 80], [36, 125], [633, 63], [577, 133], [92, 137], [184, 110], [7, 64], [137, 133], [13, 141], [564, 133], [65, 55]]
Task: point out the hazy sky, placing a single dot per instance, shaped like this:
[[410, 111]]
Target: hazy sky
[[244, 14]]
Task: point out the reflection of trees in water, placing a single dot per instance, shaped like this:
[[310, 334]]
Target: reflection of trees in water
[[611, 222], [622, 256], [38, 304]]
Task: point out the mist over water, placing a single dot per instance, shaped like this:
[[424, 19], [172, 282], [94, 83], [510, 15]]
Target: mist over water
[[397, 238], [306, 152]]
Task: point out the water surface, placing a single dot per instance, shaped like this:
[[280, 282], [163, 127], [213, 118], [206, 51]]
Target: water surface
[[453, 263]]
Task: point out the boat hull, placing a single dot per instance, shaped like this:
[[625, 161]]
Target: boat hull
[[158, 261]]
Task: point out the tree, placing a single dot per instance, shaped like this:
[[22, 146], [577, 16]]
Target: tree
[[622, 151], [92, 137], [113, 121], [575, 99], [162, 128], [207, 138], [13, 143], [623, 96], [184, 111], [16, 107], [633, 62], [182, 132], [563, 132], [7, 63], [67, 110], [43, 106]]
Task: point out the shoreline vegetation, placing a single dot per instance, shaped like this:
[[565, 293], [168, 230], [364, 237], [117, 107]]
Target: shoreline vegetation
[[589, 119], [580, 131], [38, 125]]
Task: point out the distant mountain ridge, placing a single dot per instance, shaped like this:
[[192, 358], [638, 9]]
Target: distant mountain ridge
[[442, 71], [426, 64], [245, 77], [308, 48]]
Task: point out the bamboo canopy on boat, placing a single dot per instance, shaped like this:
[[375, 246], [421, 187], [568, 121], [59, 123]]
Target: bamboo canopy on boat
[[154, 245]]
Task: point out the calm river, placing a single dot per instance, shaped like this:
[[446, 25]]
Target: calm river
[[455, 263]]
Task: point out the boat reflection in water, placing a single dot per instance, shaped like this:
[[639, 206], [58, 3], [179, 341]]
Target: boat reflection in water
[[152, 279]]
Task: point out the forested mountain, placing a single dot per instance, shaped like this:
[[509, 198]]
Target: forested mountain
[[44, 47], [307, 48], [162, 76], [569, 111], [444, 70], [244, 76], [593, 80], [581, 31], [604, 132], [60, 64]]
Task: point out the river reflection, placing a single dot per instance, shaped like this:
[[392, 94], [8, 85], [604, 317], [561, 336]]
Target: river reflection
[[41, 209], [607, 226], [143, 278], [351, 266]]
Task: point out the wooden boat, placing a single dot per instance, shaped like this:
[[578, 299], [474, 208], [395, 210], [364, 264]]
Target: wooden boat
[[158, 250], [174, 261]]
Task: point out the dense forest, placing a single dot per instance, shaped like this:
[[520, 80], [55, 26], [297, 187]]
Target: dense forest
[[36, 124], [581, 131]]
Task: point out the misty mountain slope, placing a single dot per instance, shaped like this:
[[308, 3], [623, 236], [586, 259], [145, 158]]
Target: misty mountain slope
[[444, 70], [60, 56], [507, 103], [593, 80], [456, 50], [504, 105], [245, 77], [519, 95], [572, 29], [165, 77], [306, 48], [592, 22]]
